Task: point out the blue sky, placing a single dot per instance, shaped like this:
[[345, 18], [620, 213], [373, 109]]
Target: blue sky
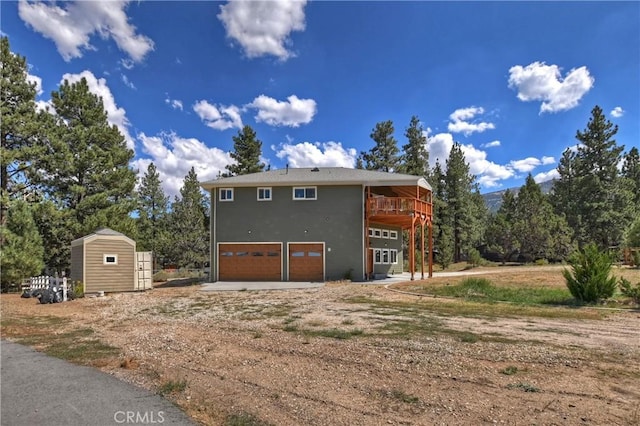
[[511, 81]]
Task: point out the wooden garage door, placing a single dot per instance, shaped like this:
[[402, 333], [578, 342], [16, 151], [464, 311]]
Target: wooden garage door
[[250, 262], [306, 262]]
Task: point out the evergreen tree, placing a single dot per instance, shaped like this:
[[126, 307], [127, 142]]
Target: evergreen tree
[[87, 165], [461, 205], [442, 231], [190, 226], [247, 150], [384, 155], [152, 214], [415, 157], [52, 223], [500, 235], [631, 171], [563, 194], [21, 130], [22, 251], [604, 201]]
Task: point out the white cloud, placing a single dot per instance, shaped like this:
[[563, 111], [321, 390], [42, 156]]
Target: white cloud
[[489, 173], [292, 113], [617, 112], [34, 79], [115, 115], [545, 176], [325, 154], [460, 121], [174, 103], [127, 82], [540, 82], [71, 27], [174, 156], [525, 165], [263, 27], [218, 117], [492, 144], [547, 160]]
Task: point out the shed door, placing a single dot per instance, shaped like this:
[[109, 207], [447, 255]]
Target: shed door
[[306, 262], [250, 262]]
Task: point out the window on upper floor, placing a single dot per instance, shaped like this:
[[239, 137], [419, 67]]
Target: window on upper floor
[[393, 235], [226, 194], [304, 193], [264, 194]]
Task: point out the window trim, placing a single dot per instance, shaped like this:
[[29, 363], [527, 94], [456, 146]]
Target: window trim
[[385, 254], [377, 254], [305, 188], [385, 234], [223, 190], [263, 188], [393, 256], [377, 233], [105, 256], [392, 233]]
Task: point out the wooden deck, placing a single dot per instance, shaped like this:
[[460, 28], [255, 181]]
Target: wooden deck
[[397, 210]]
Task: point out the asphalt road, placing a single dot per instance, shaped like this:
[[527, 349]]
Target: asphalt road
[[36, 390]]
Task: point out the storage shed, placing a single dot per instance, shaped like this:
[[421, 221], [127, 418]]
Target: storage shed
[[107, 261]]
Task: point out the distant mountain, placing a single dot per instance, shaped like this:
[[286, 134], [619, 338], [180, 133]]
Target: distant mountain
[[493, 200]]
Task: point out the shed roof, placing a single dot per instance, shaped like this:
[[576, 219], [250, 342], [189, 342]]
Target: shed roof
[[318, 176], [105, 232]]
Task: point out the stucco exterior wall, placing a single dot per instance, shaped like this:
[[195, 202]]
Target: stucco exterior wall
[[334, 218]]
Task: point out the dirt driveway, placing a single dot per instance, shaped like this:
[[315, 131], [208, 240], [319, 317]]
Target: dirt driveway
[[349, 354]]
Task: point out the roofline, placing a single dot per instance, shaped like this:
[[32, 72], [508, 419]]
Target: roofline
[[419, 181]]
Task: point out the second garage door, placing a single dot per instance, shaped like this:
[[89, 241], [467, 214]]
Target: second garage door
[[250, 262], [306, 262]]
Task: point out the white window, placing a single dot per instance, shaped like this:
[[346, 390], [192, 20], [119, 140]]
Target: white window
[[110, 259], [377, 233], [226, 194], [371, 232], [304, 193], [393, 235], [264, 194], [385, 233], [385, 256], [394, 256], [377, 256]]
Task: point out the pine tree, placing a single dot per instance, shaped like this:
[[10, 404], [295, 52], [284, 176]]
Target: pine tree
[[152, 214], [190, 226], [563, 194], [500, 235], [22, 251], [52, 223], [604, 201], [87, 166], [21, 129], [247, 151], [461, 205], [415, 157], [384, 155], [631, 171], [442, 231]]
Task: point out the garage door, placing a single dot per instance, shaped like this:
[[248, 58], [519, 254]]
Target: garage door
[[306, 262], [250, 262]]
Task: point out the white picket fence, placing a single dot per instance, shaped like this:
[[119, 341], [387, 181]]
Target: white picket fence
[[42, 282]]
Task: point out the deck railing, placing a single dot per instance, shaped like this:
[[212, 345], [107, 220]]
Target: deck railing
[[389, 206]]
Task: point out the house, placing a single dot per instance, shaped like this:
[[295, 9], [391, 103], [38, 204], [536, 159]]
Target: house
[[107, 261], [316, 224]]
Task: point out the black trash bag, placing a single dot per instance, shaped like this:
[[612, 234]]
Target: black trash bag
[[46, 296], [57, 296], [26, 294]]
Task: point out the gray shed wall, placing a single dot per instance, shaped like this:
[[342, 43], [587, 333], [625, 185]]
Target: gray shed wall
[[334, 218], [77, 262]]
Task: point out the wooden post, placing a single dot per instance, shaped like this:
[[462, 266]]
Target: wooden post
[[412, 246], [430, 248], [421, 248]]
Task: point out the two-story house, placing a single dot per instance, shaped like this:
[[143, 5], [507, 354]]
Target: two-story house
[[317, 224]]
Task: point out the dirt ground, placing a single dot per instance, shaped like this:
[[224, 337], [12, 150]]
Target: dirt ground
[[348, 354]]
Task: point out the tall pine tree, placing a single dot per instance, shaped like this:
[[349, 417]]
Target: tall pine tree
[[247, 151], [152, 214], [442, 230], [21, 129], [415, 157], [190, 227], [603, 202], [631, 171], [384, 155]]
